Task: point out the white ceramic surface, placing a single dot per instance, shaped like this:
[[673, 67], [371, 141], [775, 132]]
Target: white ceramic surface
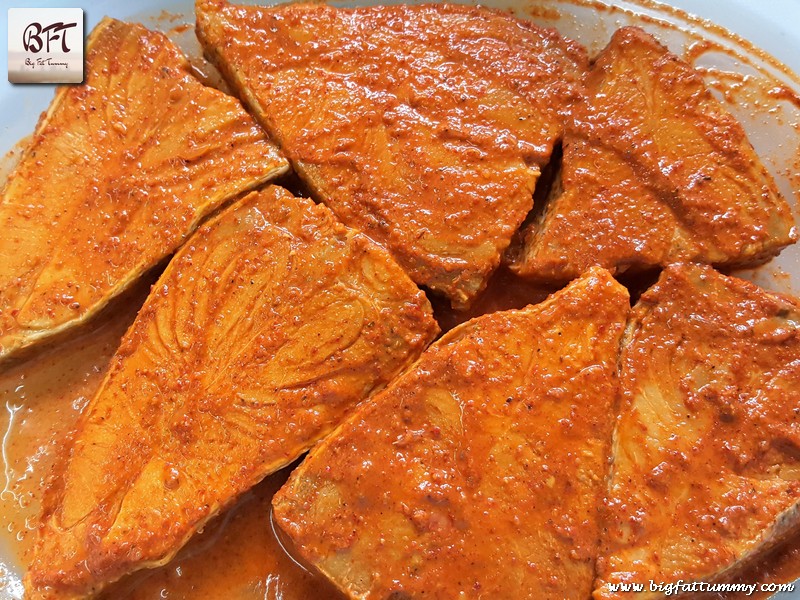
[[774, 127]]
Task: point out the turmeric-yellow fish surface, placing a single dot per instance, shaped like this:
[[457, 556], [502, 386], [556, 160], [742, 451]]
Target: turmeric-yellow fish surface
[[119, 171], [480, 471], [269, 325]]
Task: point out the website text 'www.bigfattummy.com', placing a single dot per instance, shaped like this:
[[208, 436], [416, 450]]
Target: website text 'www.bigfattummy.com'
[[698, 587]]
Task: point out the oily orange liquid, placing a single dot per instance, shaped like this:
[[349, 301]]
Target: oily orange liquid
[[42, 399], [780, 566], [239, 555]]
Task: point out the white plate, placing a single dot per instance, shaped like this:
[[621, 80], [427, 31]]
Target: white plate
[[774, 127]]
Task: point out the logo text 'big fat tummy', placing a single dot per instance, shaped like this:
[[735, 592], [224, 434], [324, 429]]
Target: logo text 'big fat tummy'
[[45, 45]]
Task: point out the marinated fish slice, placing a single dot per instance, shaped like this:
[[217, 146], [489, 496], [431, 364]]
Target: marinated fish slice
[[477, 473], [120, 170], [655, 170], [268, 326], [706, 471], [423, 126]]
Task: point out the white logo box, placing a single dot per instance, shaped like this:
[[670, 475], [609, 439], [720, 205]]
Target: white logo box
[[45, 45]]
